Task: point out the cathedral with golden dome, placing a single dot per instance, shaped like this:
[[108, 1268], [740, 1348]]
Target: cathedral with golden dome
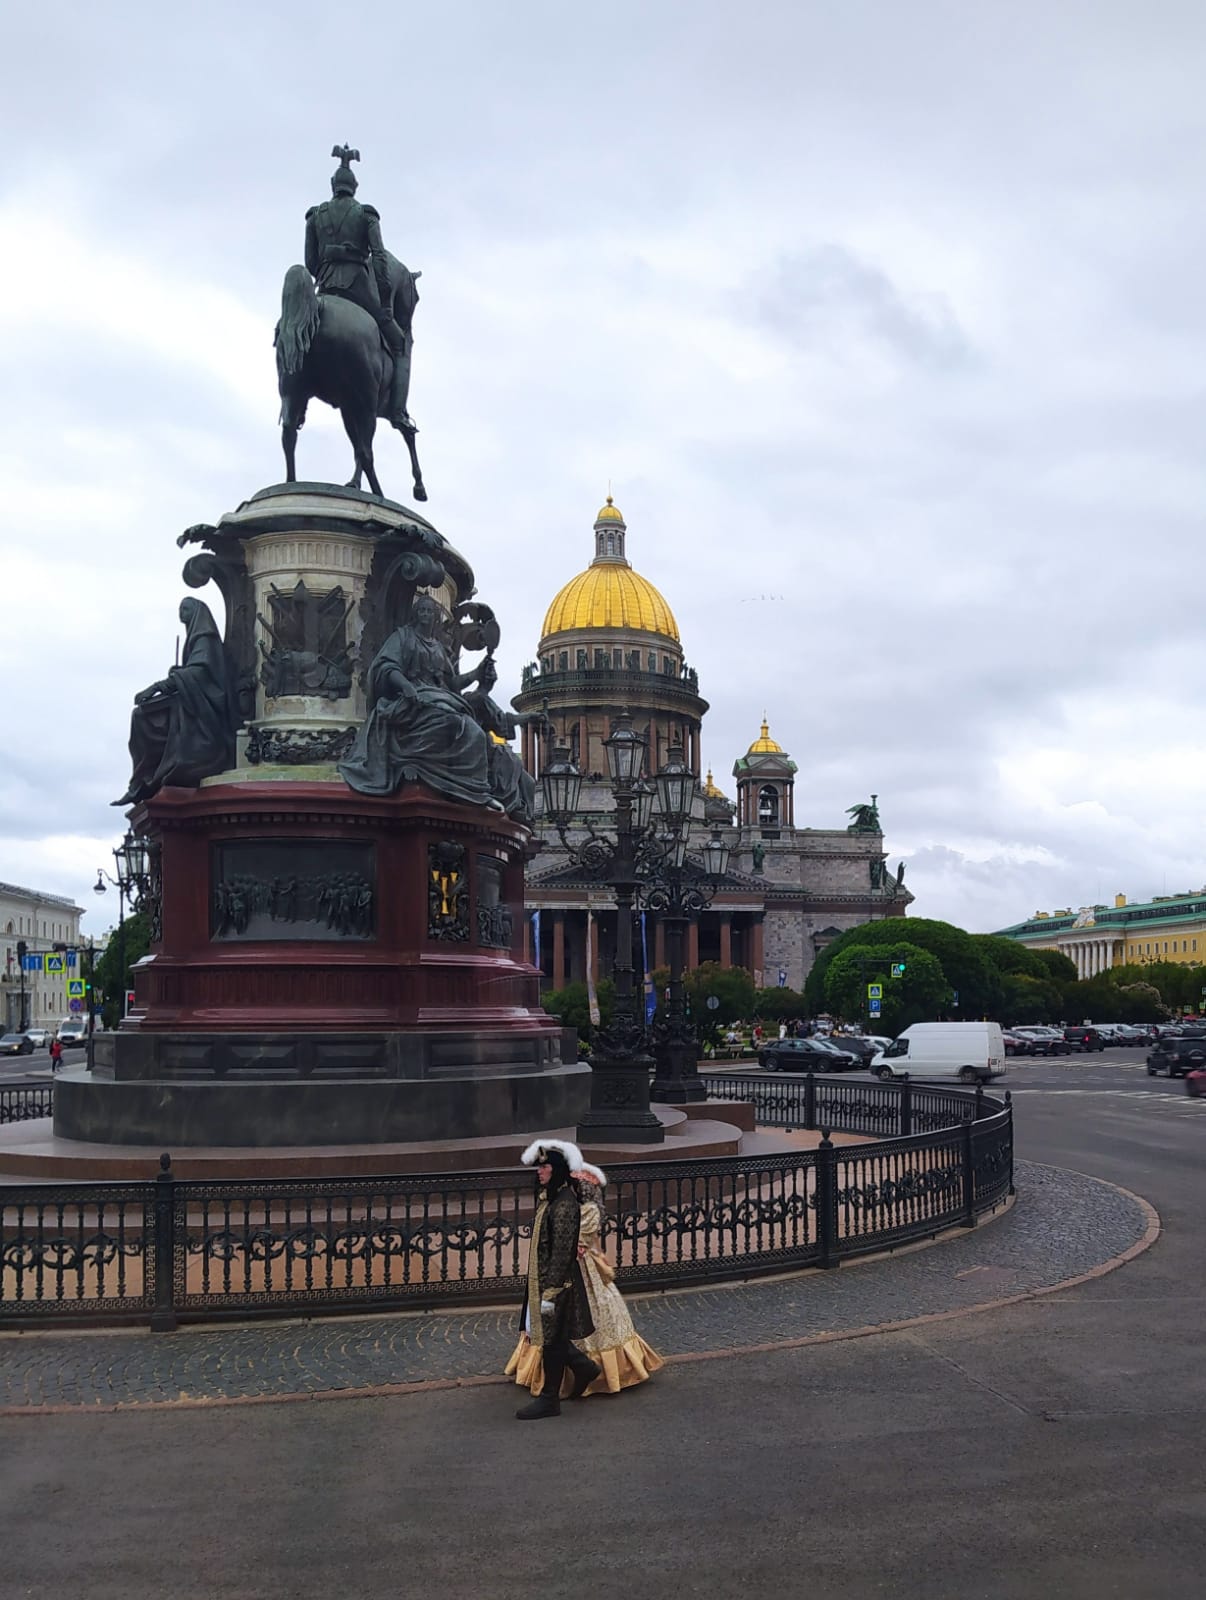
[[610, 644]]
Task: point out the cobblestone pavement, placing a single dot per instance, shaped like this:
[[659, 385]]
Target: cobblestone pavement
[[1062, 1225]]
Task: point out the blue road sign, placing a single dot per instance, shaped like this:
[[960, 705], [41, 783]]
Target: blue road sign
[[873, 1007]]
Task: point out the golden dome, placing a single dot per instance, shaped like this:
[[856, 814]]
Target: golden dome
[[610, 595], [609, 512], [764, 745], [711, 792]]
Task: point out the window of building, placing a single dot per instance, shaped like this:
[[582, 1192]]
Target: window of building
[[768, 806], [600, 658], [583, 660], [617, 657], [667, 664], [563, 661], [653, 661]]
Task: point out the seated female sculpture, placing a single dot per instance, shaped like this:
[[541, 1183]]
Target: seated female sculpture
[[419, 729], [182, 728]]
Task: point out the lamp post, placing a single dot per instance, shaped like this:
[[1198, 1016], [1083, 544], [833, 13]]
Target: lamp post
[[620, 1065], [646, 862], [132, 858], [677, 895]]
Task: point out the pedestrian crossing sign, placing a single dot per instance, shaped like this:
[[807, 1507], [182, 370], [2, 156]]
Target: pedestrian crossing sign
[[75, 988], [56, 961]]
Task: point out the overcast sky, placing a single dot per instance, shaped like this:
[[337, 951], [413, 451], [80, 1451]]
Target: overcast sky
[[884, 321]]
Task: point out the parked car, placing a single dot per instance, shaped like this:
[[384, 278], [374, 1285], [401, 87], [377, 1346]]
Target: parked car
[[38, 1037], [1084, 1038], [806, 1055], [857, 1044], [1016, 1044], [16, 1044], [1045, 1041], [72, 1033], [1177, 1056]]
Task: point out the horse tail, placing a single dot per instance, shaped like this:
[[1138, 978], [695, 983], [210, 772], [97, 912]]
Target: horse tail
[[301, 311]]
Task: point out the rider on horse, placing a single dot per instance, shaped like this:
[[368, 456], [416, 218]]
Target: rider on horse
[[342, 238]]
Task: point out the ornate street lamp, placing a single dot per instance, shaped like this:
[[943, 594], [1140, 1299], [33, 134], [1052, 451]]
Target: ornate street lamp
[[678, 895], [620, 1064], [132, 858]]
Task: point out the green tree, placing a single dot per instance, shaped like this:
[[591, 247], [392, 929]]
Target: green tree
[[966, 968], [1060, 968], [732, 986], [1031, 999], [776, 1005], [571, 1006], [921, 993], [109, 981]]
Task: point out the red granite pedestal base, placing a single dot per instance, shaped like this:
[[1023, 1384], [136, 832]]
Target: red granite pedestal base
[[326, 964]]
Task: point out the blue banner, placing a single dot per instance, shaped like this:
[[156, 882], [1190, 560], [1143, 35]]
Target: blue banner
[[536, 937], [650, 996]]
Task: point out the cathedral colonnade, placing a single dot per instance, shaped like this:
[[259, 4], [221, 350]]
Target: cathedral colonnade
[[731, 938]]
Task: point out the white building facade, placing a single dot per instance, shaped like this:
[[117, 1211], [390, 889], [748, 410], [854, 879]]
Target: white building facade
[[40, 921]]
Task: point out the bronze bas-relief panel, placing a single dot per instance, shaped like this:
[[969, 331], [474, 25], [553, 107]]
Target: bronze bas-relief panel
[[292, 889]]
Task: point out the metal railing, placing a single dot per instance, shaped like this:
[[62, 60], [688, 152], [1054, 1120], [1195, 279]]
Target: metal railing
[[169, 1249]]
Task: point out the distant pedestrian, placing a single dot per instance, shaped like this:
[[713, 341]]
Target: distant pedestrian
[[56, 1054]]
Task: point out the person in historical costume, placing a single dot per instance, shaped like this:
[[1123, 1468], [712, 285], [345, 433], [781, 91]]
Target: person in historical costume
[[419, 728], [616, 1348], [182, 728], [556, 1310]]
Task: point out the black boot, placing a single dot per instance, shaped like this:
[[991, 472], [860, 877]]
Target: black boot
[[544, 1405], [585, 1372]]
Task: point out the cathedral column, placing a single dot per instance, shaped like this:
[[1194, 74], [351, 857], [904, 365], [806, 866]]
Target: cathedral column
[[593, 925], [558, 949], [726, 938], [692, 945], [756, 951]]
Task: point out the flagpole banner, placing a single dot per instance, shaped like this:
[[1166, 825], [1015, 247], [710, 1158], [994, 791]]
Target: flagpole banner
[[650, 996], [592, 998], [536, 937]]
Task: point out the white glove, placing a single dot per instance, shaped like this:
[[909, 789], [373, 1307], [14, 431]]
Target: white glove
[[547, 1308]]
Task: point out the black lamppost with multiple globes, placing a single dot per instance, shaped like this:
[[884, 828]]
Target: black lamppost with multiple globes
[[643, 860], [132, 858]]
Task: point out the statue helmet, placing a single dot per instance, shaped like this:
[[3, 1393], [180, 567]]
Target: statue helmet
[[343, 179]]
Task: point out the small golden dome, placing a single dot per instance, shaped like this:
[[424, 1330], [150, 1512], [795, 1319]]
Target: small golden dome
[[610, 595], [711, 792], [764, 745], [609, 513]]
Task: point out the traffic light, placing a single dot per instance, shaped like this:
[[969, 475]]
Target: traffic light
[[898, 969]]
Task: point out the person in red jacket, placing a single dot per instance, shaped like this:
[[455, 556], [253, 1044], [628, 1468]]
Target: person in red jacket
[[56, 1054]]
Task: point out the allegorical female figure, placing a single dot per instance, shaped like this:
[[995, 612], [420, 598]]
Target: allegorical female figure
[[419, 728], [182, 728]]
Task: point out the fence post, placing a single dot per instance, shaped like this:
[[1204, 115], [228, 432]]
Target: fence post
[[967, 1134], [827, 1230], [810, 1102], [979, 1102], [163, 1317], [1009, 1108], [906, 1106]]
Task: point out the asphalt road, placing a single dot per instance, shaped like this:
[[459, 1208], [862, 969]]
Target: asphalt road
[[1049, 1449]]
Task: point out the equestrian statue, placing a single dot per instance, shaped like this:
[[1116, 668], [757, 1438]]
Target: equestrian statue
[[345, 330]]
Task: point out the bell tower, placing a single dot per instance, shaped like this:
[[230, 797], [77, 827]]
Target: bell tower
[[766, 777]]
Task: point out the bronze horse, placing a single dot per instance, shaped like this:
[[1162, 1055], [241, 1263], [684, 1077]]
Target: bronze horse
[[329, 348]]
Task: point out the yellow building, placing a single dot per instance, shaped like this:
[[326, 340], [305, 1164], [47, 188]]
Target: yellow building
[[1171, 927]]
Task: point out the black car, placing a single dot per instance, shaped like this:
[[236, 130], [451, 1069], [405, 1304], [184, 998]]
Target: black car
[[1177, 1056], [1084, 1038], [806, 1055], [16, 1044], [1044, 1041]]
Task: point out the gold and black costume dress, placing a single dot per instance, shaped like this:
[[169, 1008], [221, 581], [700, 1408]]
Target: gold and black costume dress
[[615, 1344]]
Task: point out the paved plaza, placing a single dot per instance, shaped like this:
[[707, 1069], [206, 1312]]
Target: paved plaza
[[1064, 1225]]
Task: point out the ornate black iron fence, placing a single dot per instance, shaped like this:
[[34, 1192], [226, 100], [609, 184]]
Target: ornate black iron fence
[[22, 1102], [169, 1249]]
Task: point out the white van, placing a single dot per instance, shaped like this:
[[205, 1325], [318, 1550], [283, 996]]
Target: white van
[[972, 1052]]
